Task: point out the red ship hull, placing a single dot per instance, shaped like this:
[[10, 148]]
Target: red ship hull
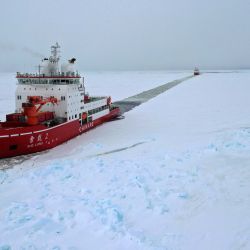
[[27, 140]]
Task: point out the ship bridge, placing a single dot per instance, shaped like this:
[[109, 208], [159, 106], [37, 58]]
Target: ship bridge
[[49, 71], [58, 78]]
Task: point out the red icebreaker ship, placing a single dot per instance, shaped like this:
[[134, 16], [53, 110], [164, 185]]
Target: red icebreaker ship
[[51, 108]]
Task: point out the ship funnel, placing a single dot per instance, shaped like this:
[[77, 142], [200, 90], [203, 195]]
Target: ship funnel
[[50, 65]]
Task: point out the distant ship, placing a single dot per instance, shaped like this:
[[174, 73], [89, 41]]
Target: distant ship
[[196, 71], [51, 108]]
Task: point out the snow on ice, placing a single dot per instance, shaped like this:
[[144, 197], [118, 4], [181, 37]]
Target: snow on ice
[[174, 174]]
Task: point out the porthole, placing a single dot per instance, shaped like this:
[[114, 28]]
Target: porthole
[[13, 147]]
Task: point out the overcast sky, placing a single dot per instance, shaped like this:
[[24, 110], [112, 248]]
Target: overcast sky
[[126, 34]]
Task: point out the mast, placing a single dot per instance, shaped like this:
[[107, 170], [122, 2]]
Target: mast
[[54, 58], [39, 72], [55, 53]]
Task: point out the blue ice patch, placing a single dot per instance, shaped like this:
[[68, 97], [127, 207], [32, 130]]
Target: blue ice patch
[[5, 247]]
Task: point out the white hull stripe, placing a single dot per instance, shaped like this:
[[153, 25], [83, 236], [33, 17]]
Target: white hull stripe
[[26, 133], [14, 135]]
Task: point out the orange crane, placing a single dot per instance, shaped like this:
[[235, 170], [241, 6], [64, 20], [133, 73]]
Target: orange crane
[[31, 110]]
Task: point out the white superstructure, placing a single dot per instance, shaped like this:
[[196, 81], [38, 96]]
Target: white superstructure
[[63, 83]]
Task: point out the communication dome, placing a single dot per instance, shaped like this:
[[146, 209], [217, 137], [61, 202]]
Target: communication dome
[[48, 67], [44, 66], [68, 67]]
